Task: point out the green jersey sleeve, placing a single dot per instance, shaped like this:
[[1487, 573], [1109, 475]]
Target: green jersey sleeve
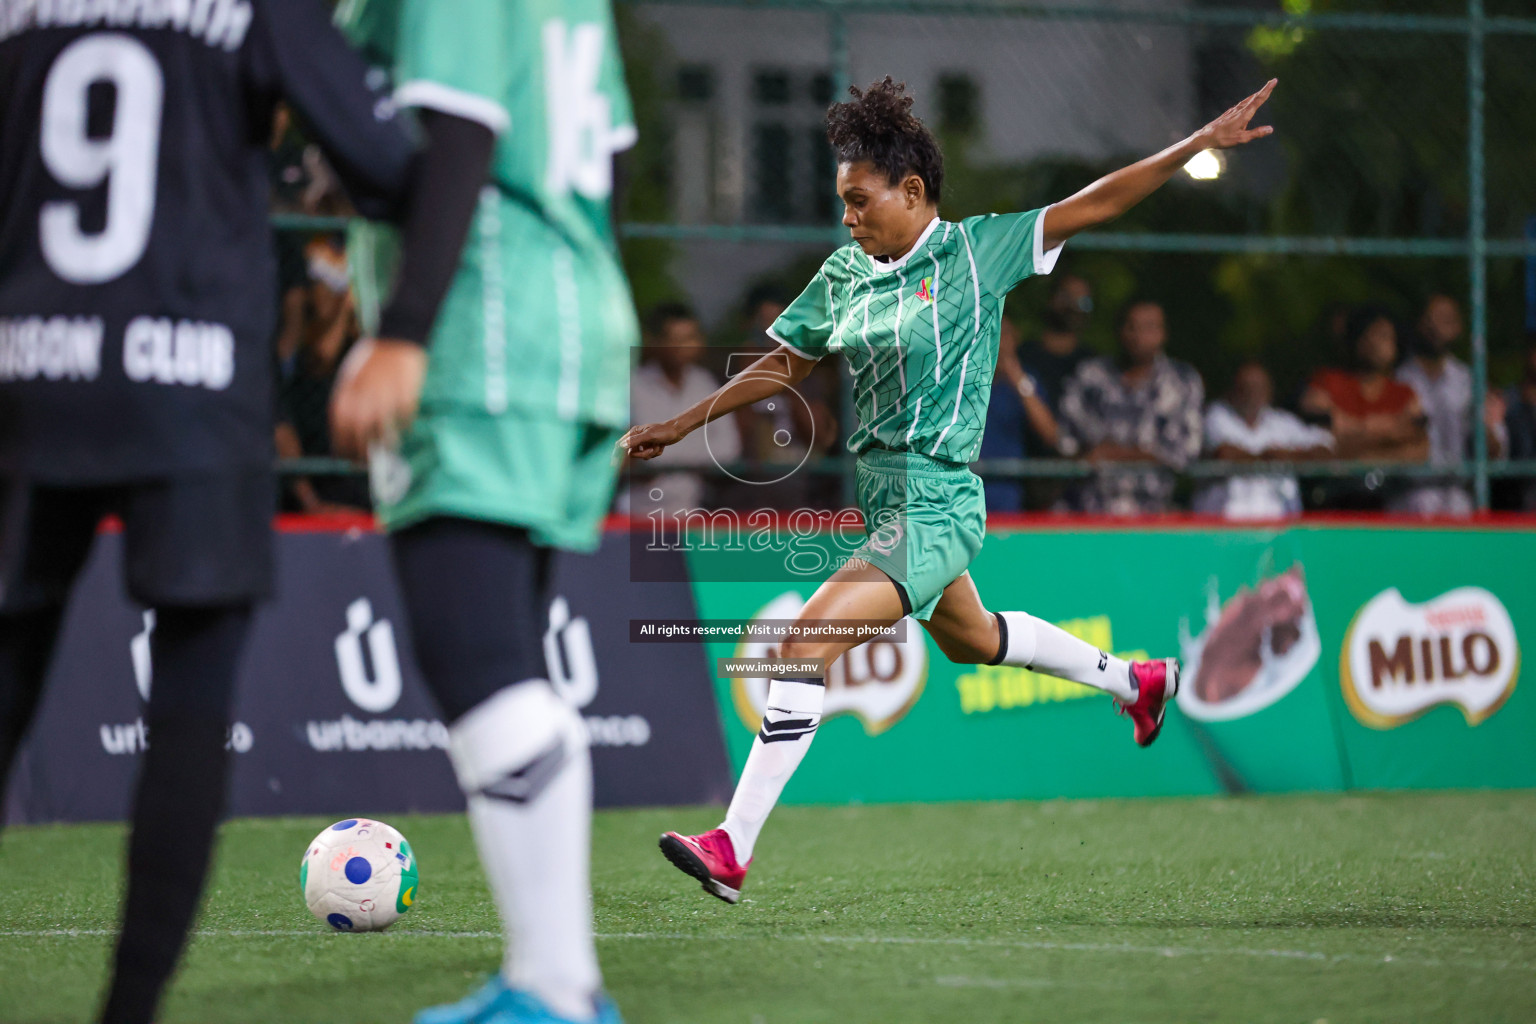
[[1008, 248], [806, 325], [454, 57]]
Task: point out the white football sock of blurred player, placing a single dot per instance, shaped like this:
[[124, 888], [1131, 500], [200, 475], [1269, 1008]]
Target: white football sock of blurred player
[[523, 763]]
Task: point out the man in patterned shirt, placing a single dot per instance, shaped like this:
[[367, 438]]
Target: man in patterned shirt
[[914, 306], [1145, 408]]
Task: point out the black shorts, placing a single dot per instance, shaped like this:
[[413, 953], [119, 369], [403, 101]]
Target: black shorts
[[477, 595], [193, 541]]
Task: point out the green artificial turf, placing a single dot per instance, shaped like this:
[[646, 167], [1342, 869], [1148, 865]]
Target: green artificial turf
[[1401, 907]]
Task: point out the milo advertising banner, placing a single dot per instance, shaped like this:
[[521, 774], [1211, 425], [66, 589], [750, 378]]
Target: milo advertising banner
[[1424, 652], [1321, 658]]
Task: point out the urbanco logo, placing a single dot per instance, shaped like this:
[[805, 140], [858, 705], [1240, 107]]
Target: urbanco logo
[[572, 664], [1400, 659], [379, 690], [877, 681], [133, 737], [368, 665], [568, 652], [138, 650]]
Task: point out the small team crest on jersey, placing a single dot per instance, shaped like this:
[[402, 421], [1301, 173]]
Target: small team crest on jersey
[[925, 289], [389, 475]]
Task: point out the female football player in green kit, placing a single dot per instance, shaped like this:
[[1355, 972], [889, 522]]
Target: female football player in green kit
[[914, 305]]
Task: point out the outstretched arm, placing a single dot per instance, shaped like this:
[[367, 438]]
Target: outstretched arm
[[765, 378], [1116, 193]]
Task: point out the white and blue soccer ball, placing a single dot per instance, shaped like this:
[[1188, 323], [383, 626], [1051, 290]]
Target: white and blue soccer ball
[[359, 875]]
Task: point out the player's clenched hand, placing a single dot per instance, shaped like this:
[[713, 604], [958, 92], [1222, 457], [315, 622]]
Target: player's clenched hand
[[1231, 128], [377, 392], [648, 440]]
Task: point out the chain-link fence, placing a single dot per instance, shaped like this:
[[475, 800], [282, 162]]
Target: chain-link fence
[[1403, 166]]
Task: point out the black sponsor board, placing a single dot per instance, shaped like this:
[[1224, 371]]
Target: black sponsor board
[[332, 716]]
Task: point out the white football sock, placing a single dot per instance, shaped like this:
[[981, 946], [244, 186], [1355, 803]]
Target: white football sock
[[522, 760], [1035, 643], [789, 726]]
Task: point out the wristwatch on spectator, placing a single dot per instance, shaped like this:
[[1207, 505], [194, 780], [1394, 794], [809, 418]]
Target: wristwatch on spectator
[[1026, 386]]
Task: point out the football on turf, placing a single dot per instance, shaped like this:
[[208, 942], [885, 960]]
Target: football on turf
[[358, 875]]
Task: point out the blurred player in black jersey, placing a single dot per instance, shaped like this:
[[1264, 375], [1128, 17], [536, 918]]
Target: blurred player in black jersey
[[137, 288]]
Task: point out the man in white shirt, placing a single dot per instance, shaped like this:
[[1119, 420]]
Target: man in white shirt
[[1245, 427], [1444, 386], [670, 379]]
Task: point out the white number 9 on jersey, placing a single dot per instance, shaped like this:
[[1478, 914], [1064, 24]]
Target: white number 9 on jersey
[[127, 158]]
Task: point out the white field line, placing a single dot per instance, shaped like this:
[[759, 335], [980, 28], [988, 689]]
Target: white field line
[[1171, 952]]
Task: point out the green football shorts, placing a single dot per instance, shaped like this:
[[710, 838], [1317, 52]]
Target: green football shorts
[[555, 477], [925, 518]]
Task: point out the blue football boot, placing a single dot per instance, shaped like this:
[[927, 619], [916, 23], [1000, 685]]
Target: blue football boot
[[486, 1003], [527, 1008], [495, 1003]]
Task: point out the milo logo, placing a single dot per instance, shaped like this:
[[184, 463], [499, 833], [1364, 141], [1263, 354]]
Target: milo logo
[[877, 681], [1401, 659]]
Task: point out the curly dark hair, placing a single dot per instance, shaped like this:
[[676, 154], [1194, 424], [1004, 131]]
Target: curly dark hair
[[878, 125]]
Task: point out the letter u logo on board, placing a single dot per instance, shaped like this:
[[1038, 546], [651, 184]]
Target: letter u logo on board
[[381, 692]]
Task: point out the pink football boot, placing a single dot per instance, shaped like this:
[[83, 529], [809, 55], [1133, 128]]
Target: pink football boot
[[711, 859], [1157, 683]]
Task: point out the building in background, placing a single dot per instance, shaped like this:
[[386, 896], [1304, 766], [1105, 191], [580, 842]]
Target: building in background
[[752, 87]]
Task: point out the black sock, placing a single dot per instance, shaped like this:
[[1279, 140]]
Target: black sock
[[180, 797], [26, 646]]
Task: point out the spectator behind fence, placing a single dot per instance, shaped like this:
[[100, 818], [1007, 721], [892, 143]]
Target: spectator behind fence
[[289, 180], [1145, 408], [1371, 414], [1016, 412], [1443, 384], [1049, 360], [1246, 427], [668, 381], [1520, 422], [326, 327], [1054, 356], [781, 431]]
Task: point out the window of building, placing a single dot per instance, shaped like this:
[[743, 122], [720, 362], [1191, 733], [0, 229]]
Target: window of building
[[771, 87], [695, 83], [790, 168], [959, 102]]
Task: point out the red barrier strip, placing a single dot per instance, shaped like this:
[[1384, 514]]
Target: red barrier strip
[[1007, 521]]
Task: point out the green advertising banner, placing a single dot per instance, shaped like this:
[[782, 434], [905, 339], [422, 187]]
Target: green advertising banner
[[1316, 658], [1421, 634]]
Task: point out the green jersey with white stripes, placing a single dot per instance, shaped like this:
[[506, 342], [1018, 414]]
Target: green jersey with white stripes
[[920, 333], [539, 318]]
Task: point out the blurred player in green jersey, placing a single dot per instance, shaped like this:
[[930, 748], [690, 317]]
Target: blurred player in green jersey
[[489, 395], [914, 305]]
